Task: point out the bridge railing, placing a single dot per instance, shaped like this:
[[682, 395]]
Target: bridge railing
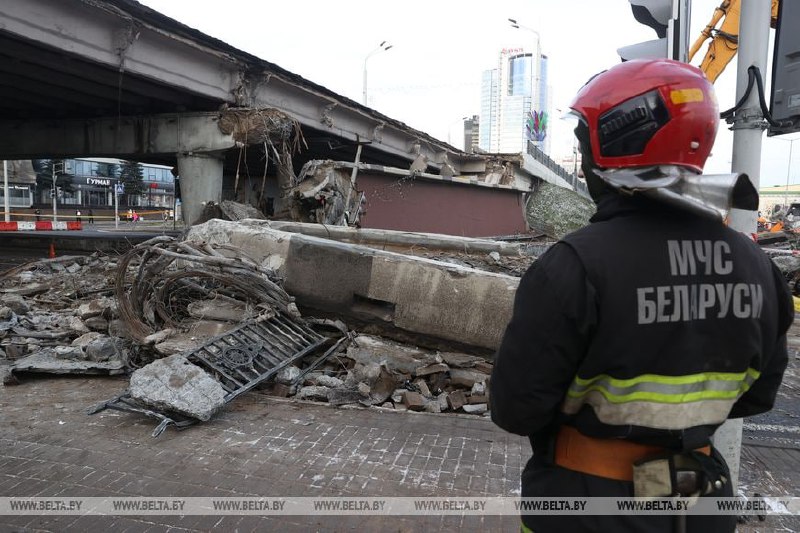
[[576, 184]]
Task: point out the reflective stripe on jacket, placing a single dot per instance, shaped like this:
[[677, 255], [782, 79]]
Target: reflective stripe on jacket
[[658, 401]]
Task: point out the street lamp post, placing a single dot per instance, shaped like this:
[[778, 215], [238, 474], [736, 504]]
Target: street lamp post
[[383, 47], [788, 171]]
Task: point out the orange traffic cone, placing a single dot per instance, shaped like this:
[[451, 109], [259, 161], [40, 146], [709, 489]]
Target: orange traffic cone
[[52, 253]]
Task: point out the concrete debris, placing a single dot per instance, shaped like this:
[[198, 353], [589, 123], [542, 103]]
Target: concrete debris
[[313, 392], [46, 361], [476, 409], [176, 385], [288, 375]]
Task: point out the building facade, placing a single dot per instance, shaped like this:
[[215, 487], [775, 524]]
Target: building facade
[[515, 102], [472, 134], [91, 182]]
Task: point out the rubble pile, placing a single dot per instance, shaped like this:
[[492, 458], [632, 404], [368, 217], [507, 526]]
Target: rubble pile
[[197, 325], [58, 316], [380, 372]]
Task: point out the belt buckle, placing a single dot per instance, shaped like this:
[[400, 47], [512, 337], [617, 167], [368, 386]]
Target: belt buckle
[[687, 482]]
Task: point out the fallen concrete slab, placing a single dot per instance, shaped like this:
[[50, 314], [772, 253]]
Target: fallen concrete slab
[[47, 362], [402, 297]]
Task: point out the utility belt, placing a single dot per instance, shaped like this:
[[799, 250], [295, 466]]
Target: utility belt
[[654, 471]]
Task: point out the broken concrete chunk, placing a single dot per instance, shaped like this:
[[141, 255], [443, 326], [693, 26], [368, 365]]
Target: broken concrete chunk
[[102, 348], [85, 339], [478, 389], [77, 325], [466, 378], [363, 389], [46, 361], [16, 303], [484, 366], [456, 399], [30, 289], [441, 399], [382, 389], [313, 393], [423, 388], [73, 268], [15, 350], [93, 308], [433, 407], [6, 313], [287, 375], [414, 401], [97, 323], [431, 369], [476, 409], [344, 396], [175, 384], [158, 336], [328, 381], [475, 398], [460, 360], [69, 352], [369, 349]]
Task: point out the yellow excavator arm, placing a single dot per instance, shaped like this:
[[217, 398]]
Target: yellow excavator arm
[[725, 40]]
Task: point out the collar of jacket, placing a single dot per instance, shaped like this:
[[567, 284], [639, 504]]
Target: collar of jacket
[[614, 204]]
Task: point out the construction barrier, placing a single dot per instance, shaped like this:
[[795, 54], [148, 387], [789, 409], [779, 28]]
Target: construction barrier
[[43, 225]]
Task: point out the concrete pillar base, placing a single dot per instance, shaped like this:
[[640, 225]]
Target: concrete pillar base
[[201, 182]]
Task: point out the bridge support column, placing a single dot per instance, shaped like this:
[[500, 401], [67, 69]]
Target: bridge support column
[[201, 182]]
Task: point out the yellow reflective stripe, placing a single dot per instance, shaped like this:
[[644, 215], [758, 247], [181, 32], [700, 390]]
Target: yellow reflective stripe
[[661, 397], [667, 389], [671, 380]]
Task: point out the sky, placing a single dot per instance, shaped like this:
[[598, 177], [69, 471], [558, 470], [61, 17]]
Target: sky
[[430, 78]]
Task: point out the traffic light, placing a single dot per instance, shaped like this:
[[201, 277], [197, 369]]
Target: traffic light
[[669, 19], [785, 90]]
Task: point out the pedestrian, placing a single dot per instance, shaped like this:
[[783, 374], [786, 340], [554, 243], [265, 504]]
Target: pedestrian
[[135, 218], [78, 215], [38, 214], [91, 216], [634, 338]]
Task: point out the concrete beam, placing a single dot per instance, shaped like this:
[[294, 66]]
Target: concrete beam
[[404, 297], [107, 35], [125, 137]]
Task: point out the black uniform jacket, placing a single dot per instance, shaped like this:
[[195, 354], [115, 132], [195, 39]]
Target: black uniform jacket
[[651, 324]]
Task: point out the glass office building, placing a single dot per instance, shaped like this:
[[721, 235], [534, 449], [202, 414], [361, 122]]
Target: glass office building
[[515, 103]]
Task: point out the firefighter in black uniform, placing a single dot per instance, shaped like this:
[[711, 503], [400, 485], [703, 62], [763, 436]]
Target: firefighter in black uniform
[[633, 339]]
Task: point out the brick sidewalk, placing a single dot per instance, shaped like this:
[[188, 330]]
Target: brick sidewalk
[[257, 447], [265, 447]]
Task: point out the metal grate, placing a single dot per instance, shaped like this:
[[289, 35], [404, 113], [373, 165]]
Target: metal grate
[[242, 358], [239, 360]]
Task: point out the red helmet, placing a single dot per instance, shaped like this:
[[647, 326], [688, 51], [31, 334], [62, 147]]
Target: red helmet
[[649, 112]]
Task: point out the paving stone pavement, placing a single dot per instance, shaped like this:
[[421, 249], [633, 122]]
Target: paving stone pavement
[[261, 446], [257, 447]]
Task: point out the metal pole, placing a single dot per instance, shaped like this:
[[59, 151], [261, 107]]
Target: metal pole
[[748, 130], [788, 173], [7, 206], [364, 92], [55, 193], [116, 206]]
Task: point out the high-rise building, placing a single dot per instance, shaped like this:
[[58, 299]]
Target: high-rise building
[[471, 137], [515, 103]]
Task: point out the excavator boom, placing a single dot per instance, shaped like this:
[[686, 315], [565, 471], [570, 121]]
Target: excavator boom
[[725, 40]]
